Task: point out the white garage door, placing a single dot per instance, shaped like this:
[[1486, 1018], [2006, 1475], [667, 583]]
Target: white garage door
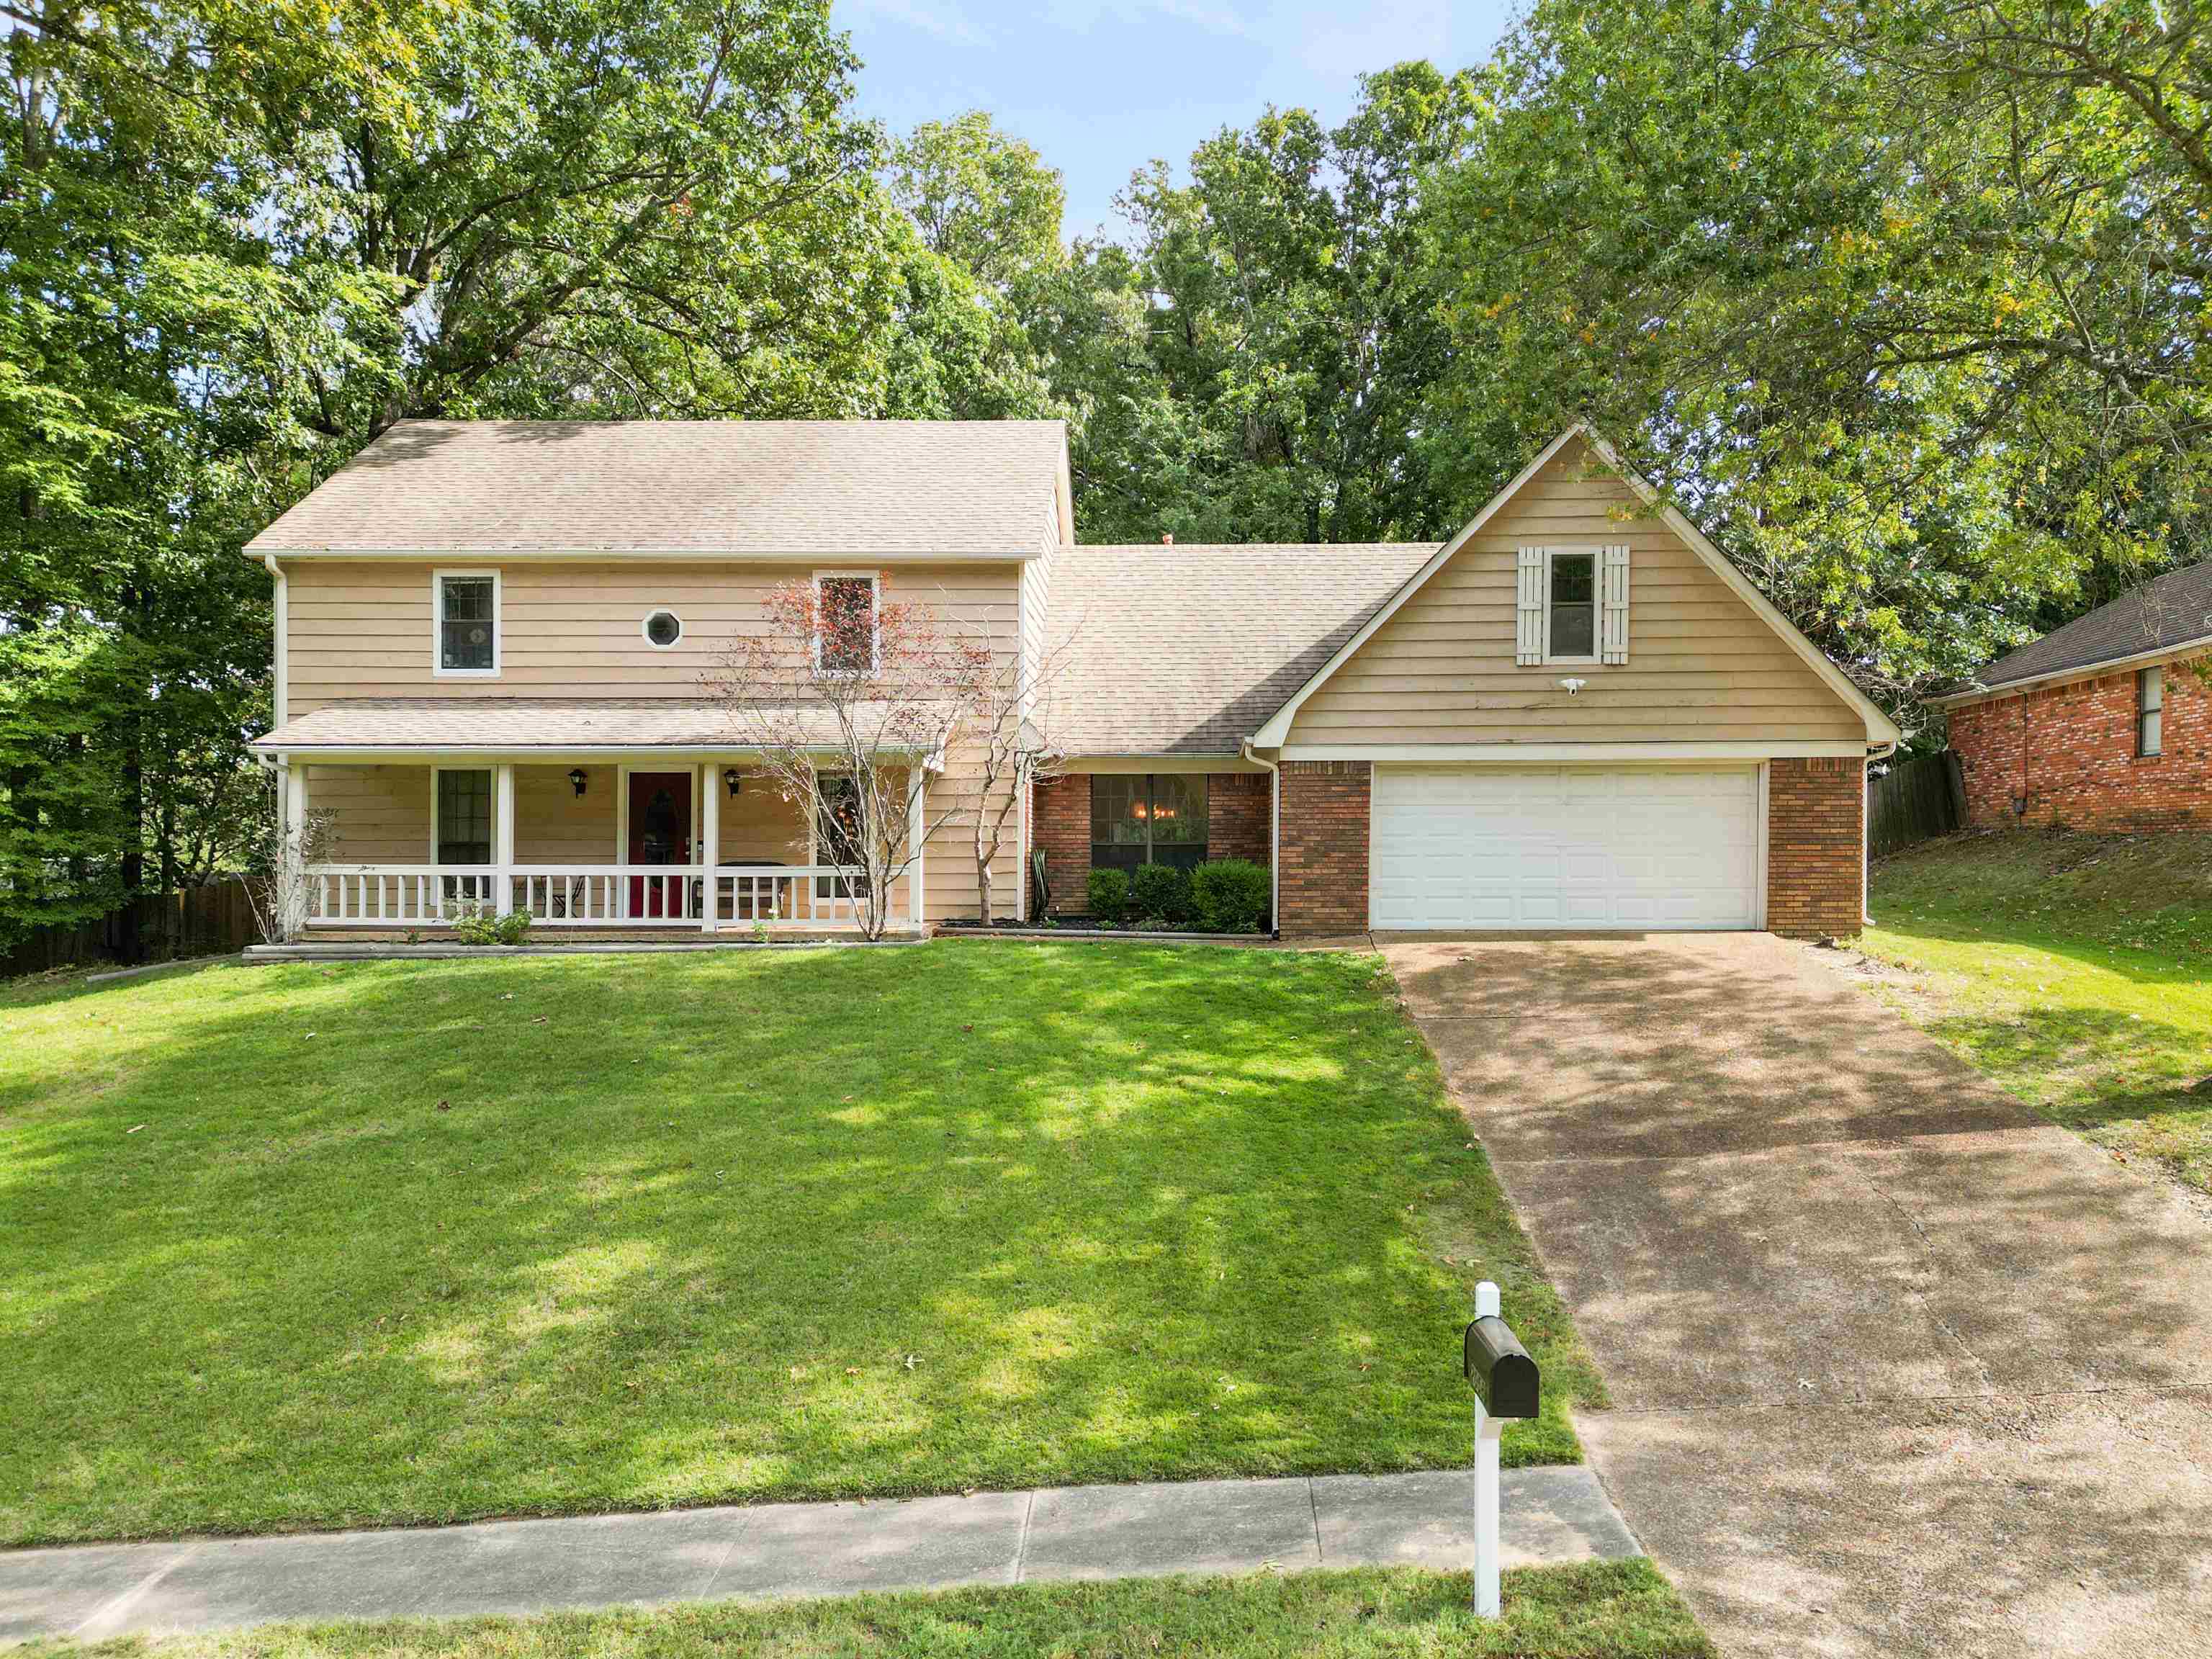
[[1565, 846]]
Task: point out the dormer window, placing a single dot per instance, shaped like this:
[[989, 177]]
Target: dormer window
[[847, 639], [466, 606]]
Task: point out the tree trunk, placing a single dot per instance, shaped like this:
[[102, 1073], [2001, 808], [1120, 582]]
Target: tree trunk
[[983, 889]]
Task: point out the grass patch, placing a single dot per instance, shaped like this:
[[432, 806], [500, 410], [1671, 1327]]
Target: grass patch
[[324, 1245], [2076, 970], [1614, 1610]]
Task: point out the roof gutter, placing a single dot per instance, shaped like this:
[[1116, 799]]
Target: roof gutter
[[1274, 832], [2079, 671]]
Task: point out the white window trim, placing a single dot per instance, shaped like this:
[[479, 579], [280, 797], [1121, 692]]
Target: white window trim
[[875, 582], [645, 627], [1596, 557], [2145, 709], [491, 771], [438, 671]]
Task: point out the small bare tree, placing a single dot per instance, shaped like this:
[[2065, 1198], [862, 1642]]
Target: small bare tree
[[850, 699], [1017, 749], [278, 879]]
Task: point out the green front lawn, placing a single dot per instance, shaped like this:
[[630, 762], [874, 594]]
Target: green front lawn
[[1621, 1610], [2075, 970], [317, 1246]]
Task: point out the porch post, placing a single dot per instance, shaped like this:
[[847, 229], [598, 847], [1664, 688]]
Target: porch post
[[916, 810], [297, 897], [502, 839], [710, 844]]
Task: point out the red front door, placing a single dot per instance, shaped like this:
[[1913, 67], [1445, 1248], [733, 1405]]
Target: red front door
[[659, 833]]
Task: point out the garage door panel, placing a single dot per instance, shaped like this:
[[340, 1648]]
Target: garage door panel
[[1565, 846]]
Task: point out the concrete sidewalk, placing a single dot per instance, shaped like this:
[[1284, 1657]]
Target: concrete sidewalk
[[776, 1550]]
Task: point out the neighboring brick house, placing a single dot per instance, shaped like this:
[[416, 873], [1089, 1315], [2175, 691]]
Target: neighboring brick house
[[2106, 724], [1574, 713]]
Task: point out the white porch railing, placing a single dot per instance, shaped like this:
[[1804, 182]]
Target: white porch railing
[[584, 894]]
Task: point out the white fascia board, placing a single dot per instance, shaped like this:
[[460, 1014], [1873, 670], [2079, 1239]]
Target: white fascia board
[[1278, 726], [2088, 671], [809, 557], [1104, 764], [486, 754], [1880, 727], [1574, 753]]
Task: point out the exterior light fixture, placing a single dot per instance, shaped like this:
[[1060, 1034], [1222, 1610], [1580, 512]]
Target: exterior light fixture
[[576, 779], [731, 776]]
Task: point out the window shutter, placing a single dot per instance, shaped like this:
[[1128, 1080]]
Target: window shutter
[[1529, 612], [1613, 615]]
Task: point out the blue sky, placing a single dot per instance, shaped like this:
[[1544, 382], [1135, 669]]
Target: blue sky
[[1100, 86]]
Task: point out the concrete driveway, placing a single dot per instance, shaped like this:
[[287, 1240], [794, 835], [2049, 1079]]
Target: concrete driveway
[[1895, 1367]]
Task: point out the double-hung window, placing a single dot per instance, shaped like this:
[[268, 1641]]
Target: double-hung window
[[2151, 712], [1571, 608], [847, 632], [466, 603], [1147, 818]]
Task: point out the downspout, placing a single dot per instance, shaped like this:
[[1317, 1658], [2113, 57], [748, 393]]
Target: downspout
[[281, 691], [1874, 752], [1274, 832]]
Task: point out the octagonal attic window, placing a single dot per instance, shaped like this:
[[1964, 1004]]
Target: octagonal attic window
[[663, 629]]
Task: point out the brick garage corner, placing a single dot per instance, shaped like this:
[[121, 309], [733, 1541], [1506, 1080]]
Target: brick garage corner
[[1815, 847], [1323, 884]]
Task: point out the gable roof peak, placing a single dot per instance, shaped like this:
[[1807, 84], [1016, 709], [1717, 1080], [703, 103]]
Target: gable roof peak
[[1881, 729]]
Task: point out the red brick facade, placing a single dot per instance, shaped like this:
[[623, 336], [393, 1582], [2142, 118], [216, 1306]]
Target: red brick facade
[[1323, 886], [2066, 756], [1237, 806], [1815, 842], [1815, 847], [1059, 825]]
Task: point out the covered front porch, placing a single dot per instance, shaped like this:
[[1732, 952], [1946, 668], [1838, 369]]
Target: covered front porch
[[581, 843]]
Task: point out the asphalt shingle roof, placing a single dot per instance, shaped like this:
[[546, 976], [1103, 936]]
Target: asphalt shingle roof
[[831, 489], [1185, 649], [2172, 609]]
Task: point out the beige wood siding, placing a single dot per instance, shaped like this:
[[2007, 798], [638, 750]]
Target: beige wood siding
[[363, 628], [553, 824], [1703, 667], [378, 814]]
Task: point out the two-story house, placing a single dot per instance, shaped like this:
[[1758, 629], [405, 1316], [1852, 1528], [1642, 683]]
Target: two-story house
[[491, 639]]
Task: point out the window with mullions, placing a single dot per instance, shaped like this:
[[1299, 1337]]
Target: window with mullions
[[464, 818], [1153, 818], [468, 625]]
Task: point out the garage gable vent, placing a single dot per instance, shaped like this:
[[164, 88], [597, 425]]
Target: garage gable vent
[[1613, 614], [1528, 611]]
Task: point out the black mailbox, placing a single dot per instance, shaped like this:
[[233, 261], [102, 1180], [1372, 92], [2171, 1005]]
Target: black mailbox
[[1499, 1370]]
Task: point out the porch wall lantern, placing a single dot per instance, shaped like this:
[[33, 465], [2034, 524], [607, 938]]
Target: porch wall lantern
[[576, 779], [731, 776]]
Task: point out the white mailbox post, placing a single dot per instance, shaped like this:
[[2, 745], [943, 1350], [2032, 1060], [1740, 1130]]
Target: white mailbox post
[[1504, 1380]]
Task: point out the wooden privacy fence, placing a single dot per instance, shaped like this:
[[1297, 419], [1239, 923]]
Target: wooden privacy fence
[[1915, 802], [196, 923]]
